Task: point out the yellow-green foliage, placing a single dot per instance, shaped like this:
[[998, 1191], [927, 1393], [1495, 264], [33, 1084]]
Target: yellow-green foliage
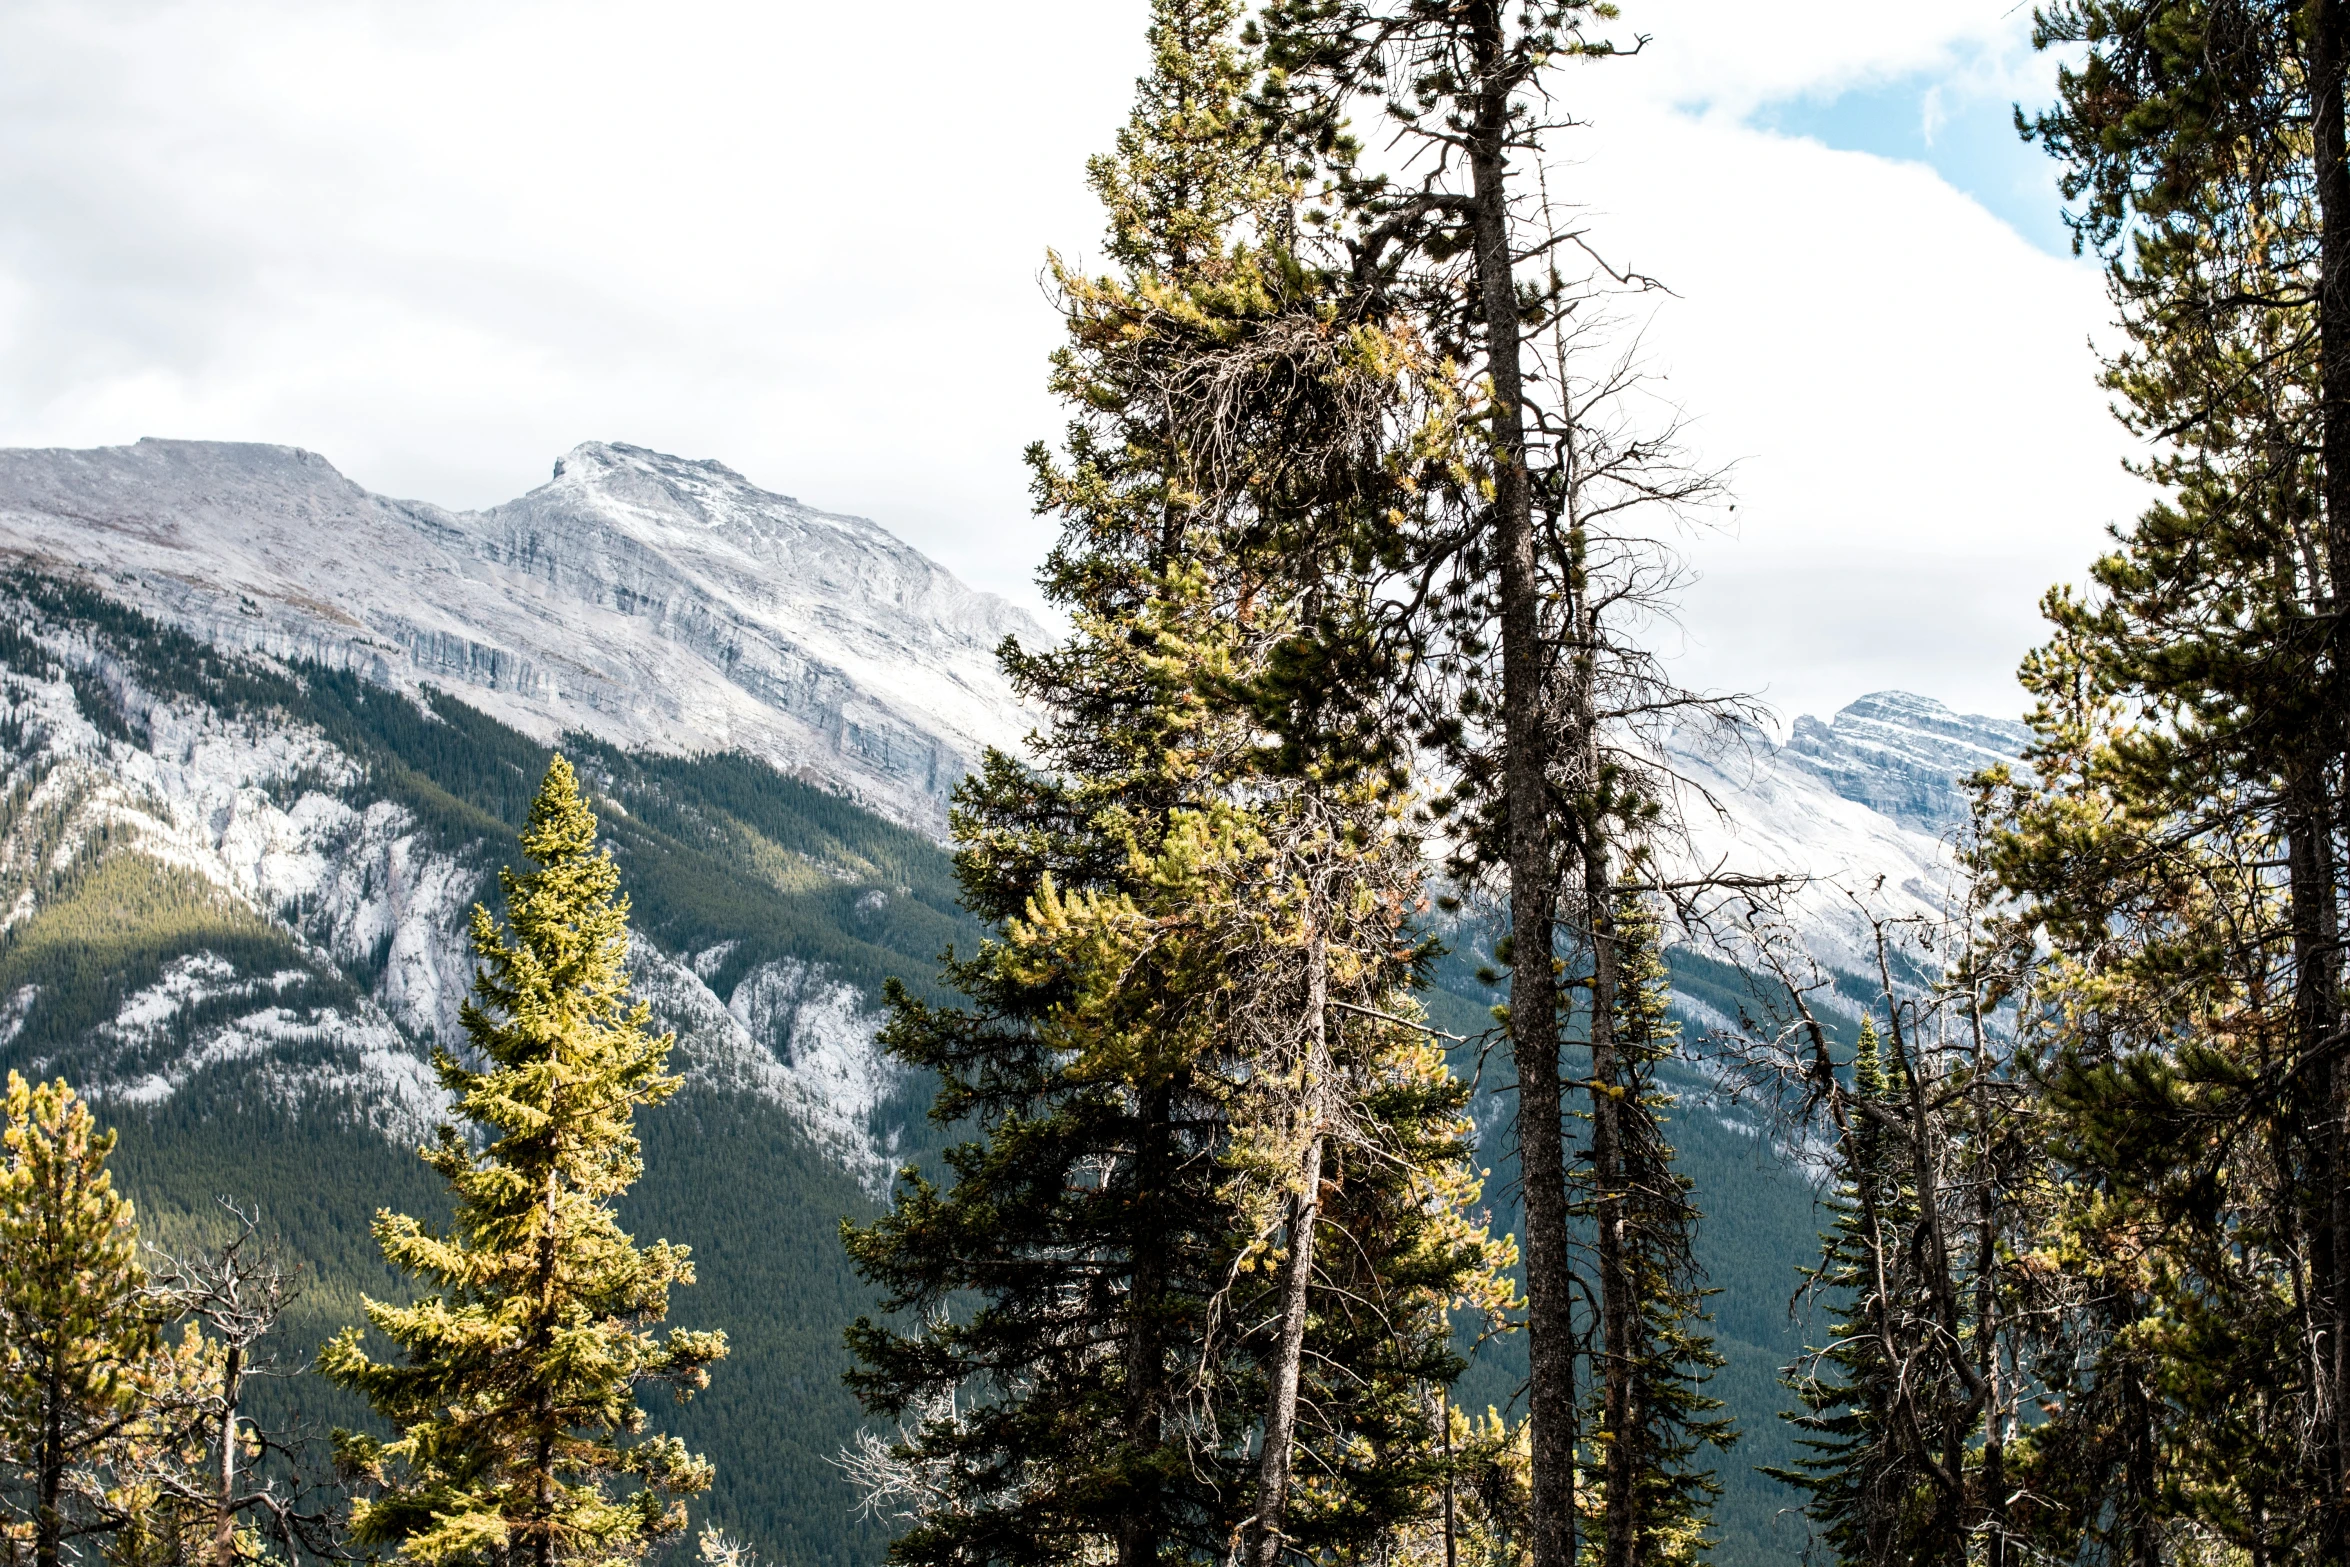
[[517, 1391], [105, 925], [124, 902], [85, 1378]]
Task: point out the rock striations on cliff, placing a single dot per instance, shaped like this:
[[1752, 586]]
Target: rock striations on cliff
[[649, 600], [1903, 756]]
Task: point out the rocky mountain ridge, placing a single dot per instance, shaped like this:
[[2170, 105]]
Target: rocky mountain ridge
[[1903, 755], [647, 599], [322, 949]]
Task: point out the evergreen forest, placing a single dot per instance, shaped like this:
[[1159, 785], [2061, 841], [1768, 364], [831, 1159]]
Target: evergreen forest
[[1332, 1115]]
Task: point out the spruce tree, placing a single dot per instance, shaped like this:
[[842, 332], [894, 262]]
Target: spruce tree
[[1091, 1206], [519, 1436], [1852, 1469], [87, 1385], [1652, 1425]]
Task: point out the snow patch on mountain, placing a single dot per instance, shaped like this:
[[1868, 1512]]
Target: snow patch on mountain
[[256, 810], [1857, 815], [649, 600], [789, 1035], [347, 1061], [1903, 756]]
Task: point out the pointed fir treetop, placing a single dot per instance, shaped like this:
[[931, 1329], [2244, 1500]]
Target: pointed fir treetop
[[1189, 172], [1868, 1062]]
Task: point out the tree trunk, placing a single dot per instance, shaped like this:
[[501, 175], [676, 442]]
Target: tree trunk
[[2329, 51], [1273, 1464], [1451, 1509], [1530, 848], [49, 1522], [224, 1517], [543, 1460], [1297, 1272], [1138, 1532], [1987, 1325], [1618, 1294], [2310, 895]]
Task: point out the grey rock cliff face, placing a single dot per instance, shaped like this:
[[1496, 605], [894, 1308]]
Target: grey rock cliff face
[[1902, 755], [648, 599]]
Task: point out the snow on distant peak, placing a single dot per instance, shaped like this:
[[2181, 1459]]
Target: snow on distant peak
[[697, 491], [650, 600], [1863, 807], [1904, 755]]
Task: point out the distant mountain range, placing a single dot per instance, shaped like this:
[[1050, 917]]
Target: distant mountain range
[[646, 599], [265, 737]]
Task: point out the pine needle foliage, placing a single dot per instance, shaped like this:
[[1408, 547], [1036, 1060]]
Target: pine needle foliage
[[1656, 1454], [2175, 856], [84, 1373], [1844, 1385], [1204, 867], [519, 1434]]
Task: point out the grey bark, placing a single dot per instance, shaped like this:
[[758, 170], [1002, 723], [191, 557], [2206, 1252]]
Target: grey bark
[[1297, 1272], [1531, 849]]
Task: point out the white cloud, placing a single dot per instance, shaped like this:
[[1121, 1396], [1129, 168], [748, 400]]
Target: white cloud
[[1904, 385], [442, 242]]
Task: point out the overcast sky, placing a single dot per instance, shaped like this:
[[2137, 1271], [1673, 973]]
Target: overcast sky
[[443, 243]]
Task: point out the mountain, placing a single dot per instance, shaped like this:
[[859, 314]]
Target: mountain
[[265, 738], [1902, 756], [655, 602], [1864, 806]]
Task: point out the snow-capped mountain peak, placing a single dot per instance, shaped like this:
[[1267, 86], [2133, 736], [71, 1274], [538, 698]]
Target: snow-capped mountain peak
[[647, 599], [1903, 755]]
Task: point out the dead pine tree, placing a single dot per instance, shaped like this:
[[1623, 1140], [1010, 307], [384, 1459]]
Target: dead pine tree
[[253, 1479], [1531, 577]]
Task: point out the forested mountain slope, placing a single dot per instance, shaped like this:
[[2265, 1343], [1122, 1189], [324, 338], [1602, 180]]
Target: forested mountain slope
[[243, 811], [235, 901]]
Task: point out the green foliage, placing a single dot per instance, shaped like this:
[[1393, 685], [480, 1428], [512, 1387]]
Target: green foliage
[[2175, 856], [1669, 1418], [1208, 1137], [82, 1362], [519, 1381], [760, 1202], [1850, 1470]]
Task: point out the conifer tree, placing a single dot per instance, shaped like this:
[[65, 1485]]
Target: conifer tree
[[519, 1437], [1652, 1425], [1851, 1468], [1091, 1208], [1525, 560], [1196, 1010], [2193, 724], [87, 1384]]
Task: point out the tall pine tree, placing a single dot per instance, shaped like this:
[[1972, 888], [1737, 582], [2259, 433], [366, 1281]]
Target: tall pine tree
[[1527, 559], [519, 1437], [2183, 846], [88, 1388], [1189, 1057], [1652, 1425], [1852, 1467]]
